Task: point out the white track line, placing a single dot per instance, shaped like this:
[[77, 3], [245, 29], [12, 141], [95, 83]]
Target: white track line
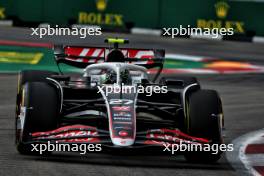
[[185, 57]]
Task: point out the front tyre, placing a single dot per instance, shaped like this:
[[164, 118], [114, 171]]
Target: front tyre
[[27, 76], [39, 111], [204, 119]]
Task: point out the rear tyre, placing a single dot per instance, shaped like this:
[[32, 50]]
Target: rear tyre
[[205, 120], [39, 111]]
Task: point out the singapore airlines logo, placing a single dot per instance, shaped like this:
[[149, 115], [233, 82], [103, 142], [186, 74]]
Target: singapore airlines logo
[[221, 8], [101, 4]]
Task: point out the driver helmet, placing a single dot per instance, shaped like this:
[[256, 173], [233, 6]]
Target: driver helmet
[[110, 77], [115, 55]]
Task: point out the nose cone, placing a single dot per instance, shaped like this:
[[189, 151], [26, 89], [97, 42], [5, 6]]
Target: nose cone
[[122, 124], [121, 117]]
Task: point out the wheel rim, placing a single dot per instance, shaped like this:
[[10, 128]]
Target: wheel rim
[[19, 114]]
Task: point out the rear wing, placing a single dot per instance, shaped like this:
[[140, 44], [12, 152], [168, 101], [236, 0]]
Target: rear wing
[[82, 56]]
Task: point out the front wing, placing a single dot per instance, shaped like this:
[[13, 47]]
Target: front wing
[[88, 134]]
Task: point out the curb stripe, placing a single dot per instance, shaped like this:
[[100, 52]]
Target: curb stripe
[[254, 149], [146, 31], [206, 71], [259, 169], [246, 164], [27, 44], [258, 39], [184, 57]]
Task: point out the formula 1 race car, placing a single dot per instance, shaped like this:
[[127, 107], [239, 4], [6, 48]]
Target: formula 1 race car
[[116, 103]]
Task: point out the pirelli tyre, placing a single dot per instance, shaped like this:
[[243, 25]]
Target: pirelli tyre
[[180, 82], [30, 76], [39, 111], [204, 119], [33, 76]]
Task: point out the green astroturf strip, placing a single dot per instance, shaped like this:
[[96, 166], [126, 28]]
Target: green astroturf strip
[[16, 58], [174, 63]]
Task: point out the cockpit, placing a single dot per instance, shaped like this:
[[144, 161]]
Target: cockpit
[[115, 73]]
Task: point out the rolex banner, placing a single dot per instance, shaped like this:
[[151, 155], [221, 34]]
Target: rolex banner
[[243, 16]]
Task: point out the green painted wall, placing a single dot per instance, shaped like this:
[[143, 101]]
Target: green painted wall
[[241, 15]]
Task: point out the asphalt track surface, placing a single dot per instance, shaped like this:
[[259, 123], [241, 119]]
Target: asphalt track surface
[[242, 96]]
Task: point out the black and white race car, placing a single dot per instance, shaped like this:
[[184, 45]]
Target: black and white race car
[[115, 103]]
